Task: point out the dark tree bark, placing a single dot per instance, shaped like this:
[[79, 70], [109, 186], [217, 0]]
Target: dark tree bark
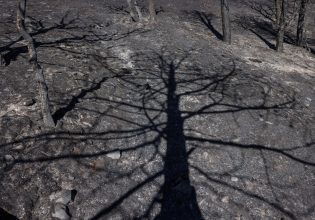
[[1, 60], [226, 23], [300, 32], [278, 11], [42, 86], [130, 8], [152, 11], [281, 27]]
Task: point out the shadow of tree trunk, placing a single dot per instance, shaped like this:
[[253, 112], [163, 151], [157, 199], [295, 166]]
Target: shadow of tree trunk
[[179, 197]]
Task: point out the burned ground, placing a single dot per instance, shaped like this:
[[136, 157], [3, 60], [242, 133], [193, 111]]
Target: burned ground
[[156, 121]]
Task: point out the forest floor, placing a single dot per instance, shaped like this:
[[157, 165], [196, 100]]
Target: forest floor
[[155, 121]]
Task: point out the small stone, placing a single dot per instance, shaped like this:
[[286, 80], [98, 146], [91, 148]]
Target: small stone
[[28, 102], [255, 60], [116, 155], [225, 199], [18, 147], [66, 185], [307, 102], [60, 212], [205, 155], [236, 140], [249, 185], [99, 164], [238, 217], [76, 150], [234, 179], [9, 159], [63, 197]]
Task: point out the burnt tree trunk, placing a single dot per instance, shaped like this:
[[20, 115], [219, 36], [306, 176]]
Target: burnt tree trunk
[[281, 28], [226, 23], [130, 8], [138, 10], [300, 32], [1, 60], [133, 4], [152, 11], [42, 87], [278, 11]]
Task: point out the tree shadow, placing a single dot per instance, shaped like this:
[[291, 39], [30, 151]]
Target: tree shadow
[[13, 54], [92, 38], [60, 113], [267, 42], [179, 196], [163, 114], [264, 30], [81, 33], [205, 19], [7, 216], [311, 45], [267, 32], [10, 53]]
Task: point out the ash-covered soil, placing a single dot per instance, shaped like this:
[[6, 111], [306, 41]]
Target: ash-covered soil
[[155, 121]]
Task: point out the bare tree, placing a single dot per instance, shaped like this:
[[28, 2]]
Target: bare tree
[[281, 25], [283, 20], [135, 11], [281, 13], [152, 11], [133, 4], [278, 6], [271, 10], [300, 32], [226, 23], [42, 86]]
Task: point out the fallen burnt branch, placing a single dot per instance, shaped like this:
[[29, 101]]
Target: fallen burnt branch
[[42, 86]]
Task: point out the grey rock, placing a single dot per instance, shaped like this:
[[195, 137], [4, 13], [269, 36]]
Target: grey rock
[[99, 164], [234, 179], [9, 159], [18, 147], [28, 102], [61, 212], [116, 155], [307, 102], [63, 196], [225, 199]]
